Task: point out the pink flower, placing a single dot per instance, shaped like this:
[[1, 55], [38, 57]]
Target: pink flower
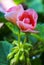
[[13, 12], [27, 20], [7, 4]]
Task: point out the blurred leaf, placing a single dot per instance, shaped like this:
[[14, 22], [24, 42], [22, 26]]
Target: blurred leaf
[[19, 1], [36, 61], [12, 27], [2, 18], [36, 4], [40, 35], [4, 50]]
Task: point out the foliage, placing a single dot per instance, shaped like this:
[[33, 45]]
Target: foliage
[[36, 48], [38, 5], [4, 50], [19, 53], [19, 1]]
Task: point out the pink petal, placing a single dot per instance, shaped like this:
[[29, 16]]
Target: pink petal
[[20, 10], [29, 30], [8, 4], [16, 8], [24, 26], [34, 14], [11, 16], [13, 13]]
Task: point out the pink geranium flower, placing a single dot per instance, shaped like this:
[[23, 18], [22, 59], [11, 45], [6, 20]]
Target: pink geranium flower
[[25, 19], [12, 13], [8, 4]]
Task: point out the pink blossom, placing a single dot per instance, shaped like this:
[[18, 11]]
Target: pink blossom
[[12, 13], [8, 4], [27, 20]]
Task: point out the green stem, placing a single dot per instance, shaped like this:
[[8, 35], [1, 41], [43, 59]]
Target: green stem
[[27, 37], [25, 40], [19, 38], [28, 60]]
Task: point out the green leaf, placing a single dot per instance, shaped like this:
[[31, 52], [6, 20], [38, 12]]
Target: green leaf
[[22, 57], [40, 35], [2, 18], [12, 27], [36, 61], [4, 50], [19, 1], [36, 4]]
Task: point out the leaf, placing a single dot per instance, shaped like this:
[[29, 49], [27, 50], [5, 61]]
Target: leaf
[[22, 57], [36, 61], [40, 35], [2, 18], [12, 27], [19, 1], [4, 50], [36, 4]]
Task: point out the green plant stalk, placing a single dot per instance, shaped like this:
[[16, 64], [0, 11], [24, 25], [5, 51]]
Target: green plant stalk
[[26, 38], [19, 38], [27, 59]]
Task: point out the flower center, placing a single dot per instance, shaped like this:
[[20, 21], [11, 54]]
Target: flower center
[[27, 18]]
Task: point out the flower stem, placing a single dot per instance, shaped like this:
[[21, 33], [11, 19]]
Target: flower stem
[[19, 37], [26, 38], [28, 60]]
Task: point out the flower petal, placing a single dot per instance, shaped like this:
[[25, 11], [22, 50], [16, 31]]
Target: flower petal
[[34, 15], [29, 30], [18, 9], [13, 13], [24, 26], [8, 4], [11, 16]]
